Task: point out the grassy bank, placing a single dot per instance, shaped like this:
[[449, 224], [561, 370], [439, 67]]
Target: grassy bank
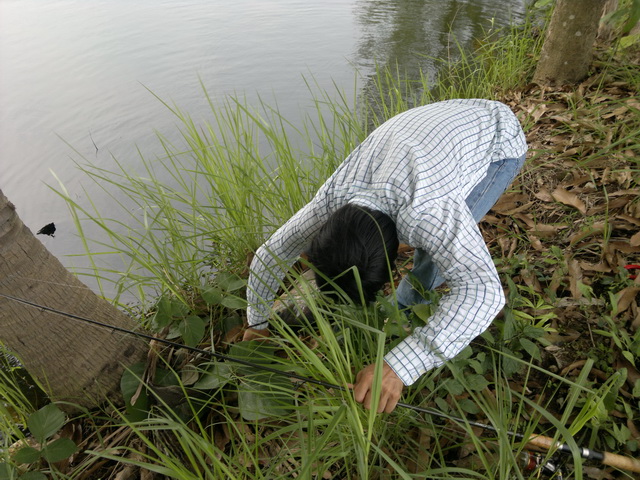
[[560, 360]]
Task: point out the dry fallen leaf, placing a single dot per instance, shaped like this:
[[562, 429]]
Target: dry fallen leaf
[[568, 198], [544, 195], [626, 297], [575, 277]]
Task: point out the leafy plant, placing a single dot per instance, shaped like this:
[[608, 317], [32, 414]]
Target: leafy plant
[[222, 291], [627, 343], [260, 393], [134, 392], [178, 317], [43, 425], [174, 313], [521, 328]]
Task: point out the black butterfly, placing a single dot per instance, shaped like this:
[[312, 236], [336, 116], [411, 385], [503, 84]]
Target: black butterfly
[[48, 229]]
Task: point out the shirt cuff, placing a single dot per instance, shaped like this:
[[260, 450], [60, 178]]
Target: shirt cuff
[[256, 321], [410, 361], [260, 326]]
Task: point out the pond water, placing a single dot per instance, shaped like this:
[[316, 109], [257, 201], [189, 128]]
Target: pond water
[[77, 74]]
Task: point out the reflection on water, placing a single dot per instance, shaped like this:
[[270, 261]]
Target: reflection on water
[[80, 70], [416, 35]]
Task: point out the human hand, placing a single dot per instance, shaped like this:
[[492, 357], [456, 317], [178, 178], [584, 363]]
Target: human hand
[[390, 390], [255, 334]]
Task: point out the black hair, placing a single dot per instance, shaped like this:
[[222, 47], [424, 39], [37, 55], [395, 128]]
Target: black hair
[[354, 236]]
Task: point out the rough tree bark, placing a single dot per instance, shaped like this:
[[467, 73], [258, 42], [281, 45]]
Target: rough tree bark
[[568, 46], [74, 362]]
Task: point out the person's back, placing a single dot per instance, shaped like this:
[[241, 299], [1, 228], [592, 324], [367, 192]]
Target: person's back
[[432, 173], [427, 151]]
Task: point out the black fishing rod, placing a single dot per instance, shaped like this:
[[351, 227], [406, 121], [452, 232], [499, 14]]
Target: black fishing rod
[[540, 441]]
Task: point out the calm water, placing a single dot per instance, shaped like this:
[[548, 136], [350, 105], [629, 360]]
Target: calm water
[[77, 72]]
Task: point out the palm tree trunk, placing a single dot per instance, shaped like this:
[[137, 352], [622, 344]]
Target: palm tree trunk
[[568, 47], [73, 362]]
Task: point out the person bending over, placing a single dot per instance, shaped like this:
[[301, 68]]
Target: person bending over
[[425, 178]]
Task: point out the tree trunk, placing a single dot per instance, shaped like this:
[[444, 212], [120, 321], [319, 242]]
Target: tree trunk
[[568, 46], [73, 361]]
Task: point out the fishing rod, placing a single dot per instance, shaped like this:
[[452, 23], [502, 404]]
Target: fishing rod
[[535, 440]]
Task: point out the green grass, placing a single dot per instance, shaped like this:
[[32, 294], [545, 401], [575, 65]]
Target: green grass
[[232, 182], [224, 196], [212, 199]]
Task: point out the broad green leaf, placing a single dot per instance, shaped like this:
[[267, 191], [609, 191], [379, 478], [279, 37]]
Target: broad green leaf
[[522, 315], [189, 374], [629, 356], [442, 404], [617, 341], [394, 329], [477, 365], [131, 379], [215, 376], [162, 317], [178, 308], [139, 411], [212, 295], [488, 337], [531, 348], [476, 382], [390, 310], [422, 311], [45, 422], [509, 327], [6, 471], [533, 332], [264, 395], [468, 406], [32, 476], [27, 455], [232, 321], [621, 433], [174, 331], [229, 281], [630, 40], [611, 397], [192, 330], [453, 386], [633, 18], [168, 311], [58, 450], [509, 365], [165, 378], [234, 303], [610, 441], [129, 384], [465, 354]]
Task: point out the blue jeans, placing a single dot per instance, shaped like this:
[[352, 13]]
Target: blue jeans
[[484, 196]]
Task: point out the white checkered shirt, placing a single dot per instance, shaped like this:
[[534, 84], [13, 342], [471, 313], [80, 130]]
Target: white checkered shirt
[[418, 168]]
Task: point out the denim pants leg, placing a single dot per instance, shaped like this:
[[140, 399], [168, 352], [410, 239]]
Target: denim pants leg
[[484, 196]]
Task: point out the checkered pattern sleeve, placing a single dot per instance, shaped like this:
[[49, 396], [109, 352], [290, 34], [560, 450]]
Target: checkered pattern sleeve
[[418, 168], [276, 255], [449, 234]]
